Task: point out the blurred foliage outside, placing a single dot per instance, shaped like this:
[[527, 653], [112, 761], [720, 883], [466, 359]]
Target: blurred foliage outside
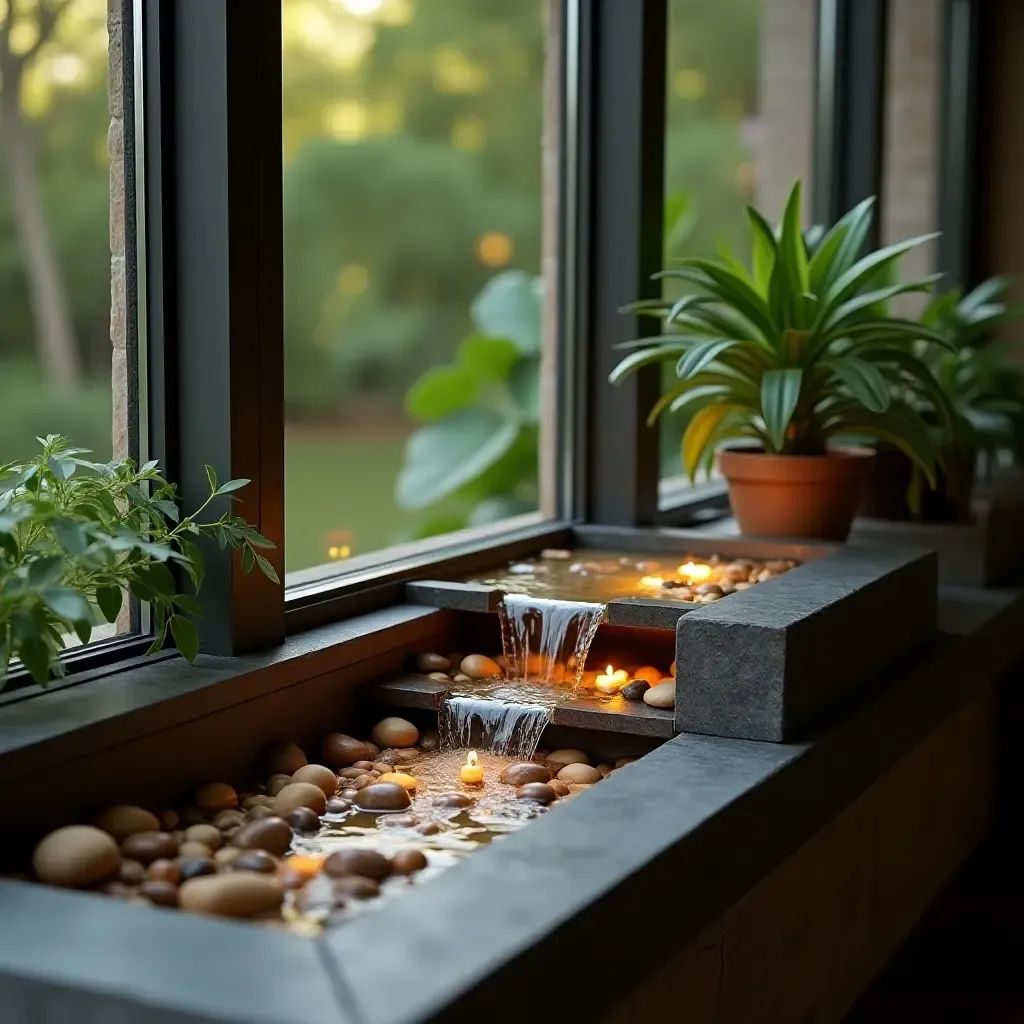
[[412, 153]]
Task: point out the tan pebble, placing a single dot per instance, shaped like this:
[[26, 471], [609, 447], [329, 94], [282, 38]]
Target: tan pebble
[[164, 871], [382, 767], [349, 794], [605, 770], [736, 586], [76, 856], [461, 677], [559, 787], [407, 754], [356, 773], [192, 849], [147, 847], [648, 673], [479, 666], [216, 796], [259, 813], [356, 861], [229, 819], [623, 761], [361, 782], [526, 771], [439, 677], [383, 796], [320, 776], [764, 576], [340, 750], [160, 893], [131, 872], [125, 820], [208, 835], [400, 779], [362, 766], [260, 800], [169, 820], [373, 750], [395, 732], [408, 862], [567, 755], [579, 773], [238, 894], [433, 663], [283, 759], [662, 696], [428, 828], [300, 794], [226, 855], [276, 783], [272, 834]]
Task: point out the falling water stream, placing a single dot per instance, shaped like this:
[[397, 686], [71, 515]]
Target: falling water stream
[[545, 644]]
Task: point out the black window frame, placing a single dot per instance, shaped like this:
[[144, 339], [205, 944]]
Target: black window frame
[[211, 102]]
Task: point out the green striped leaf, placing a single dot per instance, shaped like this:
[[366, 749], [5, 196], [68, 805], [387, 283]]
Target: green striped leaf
[[864, 380], [780, 392]]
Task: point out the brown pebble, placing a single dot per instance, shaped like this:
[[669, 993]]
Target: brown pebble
[[283, 759], [454, 800], [169, 820], [559, 787], [197, 867], [164, 871], [260, 800], [526, 771], [260, 814], [383, 767], [356, 886], [433, 663], [348, 794], [125, 820], [237, 894], [339, 805], [363, 766], [229, 818], [132, 872], [635, 690], [255, 860], [160, 893], [356, 773], [147, 847], [403, 820], [539, 792], [428, 828], [373, 749], [272, 834], [479, 666], [188, 849], [276, 783], [408, 862], [227, 855], [300, 794], [577, 774], [340, 750], [354, 861], [302, 819], [395, 732], [383, 796], [216, 796], [318, 775], [605, 770], [208, 835], [623, 761]]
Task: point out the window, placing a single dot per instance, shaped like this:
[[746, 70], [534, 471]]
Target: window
[[414, 167], [67, 348], [740, 116]]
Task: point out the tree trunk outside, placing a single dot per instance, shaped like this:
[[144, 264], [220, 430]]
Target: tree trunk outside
[[51, 315]]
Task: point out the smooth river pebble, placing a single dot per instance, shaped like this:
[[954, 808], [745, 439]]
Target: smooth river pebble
[[395, 732], [662, 696], [125, 820], [479, 666], [238, 894], [320, 776], [300, 794], [76, 856]]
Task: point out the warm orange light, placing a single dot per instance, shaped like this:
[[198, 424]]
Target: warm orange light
[[652, 581], [336, 551], [304, 864], [494, 249], [611, 681], [694, 571], [471, 773]]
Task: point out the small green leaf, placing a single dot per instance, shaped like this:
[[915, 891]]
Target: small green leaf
[[83, 630], [45, 572], [35, 656], [196, 566], [232, 485], [186, 639], [168, 508], [267, 569], [67, 604], [488, 358], [509, 307], [440, 392], [211, 476], [865, 381], [780, 392], [109, 600], [70, 535], [188, 604], [248, 560]]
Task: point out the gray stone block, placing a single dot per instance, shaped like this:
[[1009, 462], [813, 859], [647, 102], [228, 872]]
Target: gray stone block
[[768, 663], [646, 613], [456, 596]]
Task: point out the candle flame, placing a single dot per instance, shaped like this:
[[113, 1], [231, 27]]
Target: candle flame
[[471, 759], [651, 581], [693, 571], [609, 671]]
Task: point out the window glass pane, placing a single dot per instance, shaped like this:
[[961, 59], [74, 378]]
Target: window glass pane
[[910, 164], [414, 235], [739, 131], [67, 339]]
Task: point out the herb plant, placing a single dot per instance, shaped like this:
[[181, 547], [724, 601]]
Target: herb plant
[[76, 536], [795, 349]]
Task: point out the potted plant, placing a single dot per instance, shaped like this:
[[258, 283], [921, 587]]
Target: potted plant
[[986, 392], [76, 536], [789, 357]]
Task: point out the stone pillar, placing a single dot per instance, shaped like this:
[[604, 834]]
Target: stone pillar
[[118, 290]]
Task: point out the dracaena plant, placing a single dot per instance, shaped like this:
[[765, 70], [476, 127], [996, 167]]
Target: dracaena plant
[[984, 386], [794, 348], [76, 536]]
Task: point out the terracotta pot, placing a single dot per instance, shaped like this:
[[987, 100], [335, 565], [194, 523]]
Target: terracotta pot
[[797, 496], [885, 493]]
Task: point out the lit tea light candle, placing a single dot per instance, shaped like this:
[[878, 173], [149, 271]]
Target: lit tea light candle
[[471, 773], [611, 681], [654, 582], [694, 572]]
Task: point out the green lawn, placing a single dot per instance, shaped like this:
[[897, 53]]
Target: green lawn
[[341, 484]]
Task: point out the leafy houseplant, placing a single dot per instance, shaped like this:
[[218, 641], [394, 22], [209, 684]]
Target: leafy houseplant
[[788, 356], [75, 536], [474, 459]]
